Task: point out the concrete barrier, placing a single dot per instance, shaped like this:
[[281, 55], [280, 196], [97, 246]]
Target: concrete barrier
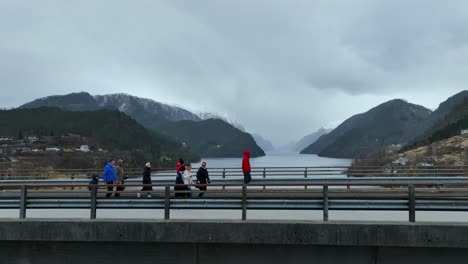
[[126, 241]]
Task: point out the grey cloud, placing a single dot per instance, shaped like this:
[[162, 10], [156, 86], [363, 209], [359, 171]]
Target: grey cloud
[[281, 68]]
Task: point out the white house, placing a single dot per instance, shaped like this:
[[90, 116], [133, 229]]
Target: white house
[[84, 148], [401, 161], [53, 149]]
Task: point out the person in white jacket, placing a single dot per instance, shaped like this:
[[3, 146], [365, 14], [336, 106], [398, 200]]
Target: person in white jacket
[[188, 177]]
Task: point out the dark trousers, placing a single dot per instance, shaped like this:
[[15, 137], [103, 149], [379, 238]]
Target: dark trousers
[[110, 189], [247, 177], [119, 189], [183, 192], [202, 190]]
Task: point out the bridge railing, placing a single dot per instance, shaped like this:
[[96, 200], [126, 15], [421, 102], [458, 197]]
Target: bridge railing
[[263, 172], [245, 197]]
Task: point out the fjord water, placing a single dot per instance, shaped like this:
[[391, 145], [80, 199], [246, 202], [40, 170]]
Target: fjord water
[[277, 159]]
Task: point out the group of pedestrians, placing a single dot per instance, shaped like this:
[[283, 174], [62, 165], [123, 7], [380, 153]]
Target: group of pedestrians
[[114, 175], [184, 179]]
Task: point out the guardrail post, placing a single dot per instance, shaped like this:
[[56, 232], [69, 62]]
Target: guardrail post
[[23, 201], [94, 189], [305, 177], [325, 203], [348, 186], [264, 176], [167, 202], [224, 177], [244, 202], [412, 203]]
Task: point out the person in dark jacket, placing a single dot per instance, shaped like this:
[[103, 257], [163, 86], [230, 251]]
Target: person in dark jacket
[[119, 177], [94, 180], [246, 169], [203, 178], [108, 177], [147, 180], [180, 188]]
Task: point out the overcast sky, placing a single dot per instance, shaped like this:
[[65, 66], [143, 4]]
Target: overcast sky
[[282, 68]]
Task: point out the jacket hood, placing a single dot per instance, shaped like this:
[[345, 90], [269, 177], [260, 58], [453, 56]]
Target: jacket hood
[[246, 153]]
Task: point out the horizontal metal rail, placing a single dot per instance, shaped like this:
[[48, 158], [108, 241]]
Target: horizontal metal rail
[[168, 199], [230, 204], [256, 171], [260, 182]]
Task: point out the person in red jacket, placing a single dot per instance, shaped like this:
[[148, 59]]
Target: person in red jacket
[[179, 165], [246, 167]]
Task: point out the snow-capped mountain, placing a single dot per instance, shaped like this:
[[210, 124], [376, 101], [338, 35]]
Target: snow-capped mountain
[[133, 105], [217, 136], [141, 109], [225, 118]]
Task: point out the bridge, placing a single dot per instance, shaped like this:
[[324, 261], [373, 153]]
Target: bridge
[[251, 241]]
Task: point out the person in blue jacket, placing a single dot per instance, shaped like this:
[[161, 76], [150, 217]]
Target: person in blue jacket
[[109, 177], [180, 188]]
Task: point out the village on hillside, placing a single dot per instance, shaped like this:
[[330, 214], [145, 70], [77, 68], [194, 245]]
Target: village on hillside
[[34, 149], [449, 152]]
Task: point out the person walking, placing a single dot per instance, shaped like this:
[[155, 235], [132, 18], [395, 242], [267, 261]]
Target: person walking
[[147, 180], [179, 165], [119, 177], [203, 178], [94, 181], [246, 169], [188, 178], [108, 177], [180, 189]]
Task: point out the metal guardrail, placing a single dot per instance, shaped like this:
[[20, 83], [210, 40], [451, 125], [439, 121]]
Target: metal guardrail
[[264, 172], [441, 180], [243, 200]]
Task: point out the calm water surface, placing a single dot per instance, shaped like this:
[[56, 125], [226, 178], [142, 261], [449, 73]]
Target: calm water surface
[[282, 159]]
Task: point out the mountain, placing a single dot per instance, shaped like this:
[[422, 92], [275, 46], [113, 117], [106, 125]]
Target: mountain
[[446, 107], [206, 116], [452, 118], [73, 102], [265, 144], [213, 138], [108, 129], [393, 122], [310, 139], [147, 112], [158, 117], [134, 106]]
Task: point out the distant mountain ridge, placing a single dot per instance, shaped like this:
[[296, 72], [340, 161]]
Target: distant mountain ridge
[[141, 109], [393, 122], [265, 144], [447, 121], [206, 116], [310, 139], [213, 138], [161, 118]]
